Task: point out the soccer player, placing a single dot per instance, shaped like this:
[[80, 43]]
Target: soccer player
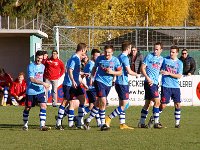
[[91, 92], [72, 88], [172, 70], [150, 69], [122, 87], [105, 68], [35, 92]]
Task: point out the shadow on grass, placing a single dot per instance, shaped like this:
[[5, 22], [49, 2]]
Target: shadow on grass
[[16, 126]]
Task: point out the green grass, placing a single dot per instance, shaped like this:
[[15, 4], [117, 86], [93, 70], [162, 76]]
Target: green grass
[[170, 138]]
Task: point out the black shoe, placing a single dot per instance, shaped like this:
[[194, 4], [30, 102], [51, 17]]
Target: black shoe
[[86, 125], [177, 126], [157, 126], [59, 127], [151, 122], [105, 128], [142, 125]]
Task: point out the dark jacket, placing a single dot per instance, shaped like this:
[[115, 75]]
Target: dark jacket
[[137, 63], [189, 65]]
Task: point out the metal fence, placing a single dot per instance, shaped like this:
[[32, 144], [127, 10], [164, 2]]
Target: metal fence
[[66, 38]]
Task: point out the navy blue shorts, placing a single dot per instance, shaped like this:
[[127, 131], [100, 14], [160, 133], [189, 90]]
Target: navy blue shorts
[[32, 100], [101, 89], [91, 94], [150, 91], [122, 91], [71, 93], [173, 93]]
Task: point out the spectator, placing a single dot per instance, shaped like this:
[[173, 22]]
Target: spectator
[[45, 57], [54, 69], [189, 65], [135, 58], [84, 61], [5, 83], [18, 90]]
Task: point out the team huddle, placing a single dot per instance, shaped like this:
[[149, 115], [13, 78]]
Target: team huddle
[[100, 73]]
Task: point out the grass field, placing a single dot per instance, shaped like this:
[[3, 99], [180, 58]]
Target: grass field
[[170, 138]]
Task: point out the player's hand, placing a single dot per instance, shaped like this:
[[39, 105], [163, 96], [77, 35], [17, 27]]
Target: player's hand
[[20, 98], [189, 74], [150, 82], [74, 84], [46, 85], [109, 71], [163, 72]]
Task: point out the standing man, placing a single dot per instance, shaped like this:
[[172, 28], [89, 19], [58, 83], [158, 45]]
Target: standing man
[[91, 92], [54, 69], [122, 87], [72, 88], [151, 69], [172, 69], [136, 59], [35, 92], [105, 68], [189, 64]]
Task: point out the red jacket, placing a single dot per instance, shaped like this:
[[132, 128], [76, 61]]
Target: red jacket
[[54, 69], [5, 80], [18, 89]]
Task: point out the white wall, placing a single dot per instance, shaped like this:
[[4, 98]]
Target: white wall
[[14, 54]]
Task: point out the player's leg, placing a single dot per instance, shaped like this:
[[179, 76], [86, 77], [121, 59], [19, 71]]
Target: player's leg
[[43, 106], [61, 109], [145, 109], [177, 103], [81, 109], [5, 92], [28, 105]]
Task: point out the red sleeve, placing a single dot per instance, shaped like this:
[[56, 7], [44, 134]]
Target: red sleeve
[[9, 80], [119, 68], [12, 90], [24, 87]]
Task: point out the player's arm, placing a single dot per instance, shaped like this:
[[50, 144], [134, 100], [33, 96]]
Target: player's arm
[[92, 75], [33, 80], [128, 69], [118, 72], [74, 84], [143, 71], [173, 75]]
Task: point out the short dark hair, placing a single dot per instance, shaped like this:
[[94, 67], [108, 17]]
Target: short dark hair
[[184, 50], [45, 52], [175, 47], [125, 45], [80, 46], [95, 51], [159, 43], [39, 53], [53, 51], [108, 47]]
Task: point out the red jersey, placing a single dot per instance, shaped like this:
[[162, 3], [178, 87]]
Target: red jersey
[[5, 81], [18, 89], [54, 69]]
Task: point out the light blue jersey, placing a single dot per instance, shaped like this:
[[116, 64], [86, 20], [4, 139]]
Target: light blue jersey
[[153, 65], [73, 63], [173, 66], [124, 60], [102, 64], [35, 71], [88, 69]]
